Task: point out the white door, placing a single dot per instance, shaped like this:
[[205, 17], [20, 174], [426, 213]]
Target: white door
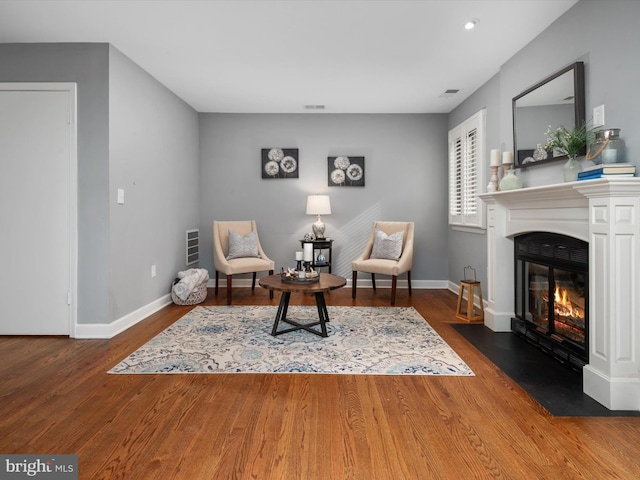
[[37, 168]]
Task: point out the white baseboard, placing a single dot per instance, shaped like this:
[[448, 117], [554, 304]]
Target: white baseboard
[[110, 330]]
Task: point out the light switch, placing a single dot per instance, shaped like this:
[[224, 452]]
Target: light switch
[[120, 196], [598, 116]]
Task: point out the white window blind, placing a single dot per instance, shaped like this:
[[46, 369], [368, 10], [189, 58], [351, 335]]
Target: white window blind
[[466, 172]]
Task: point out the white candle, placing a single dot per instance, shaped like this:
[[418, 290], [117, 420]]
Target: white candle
[[308, 252], [507, 158], [495, 158], [298, 256]]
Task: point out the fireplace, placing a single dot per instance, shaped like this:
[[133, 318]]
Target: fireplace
[[552, 295], [605, 213]]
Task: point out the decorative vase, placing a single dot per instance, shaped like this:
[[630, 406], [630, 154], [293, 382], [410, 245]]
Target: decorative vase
[[510, 181], [571, 169]]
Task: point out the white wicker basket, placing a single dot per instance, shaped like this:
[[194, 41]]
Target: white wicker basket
[[197, 296]]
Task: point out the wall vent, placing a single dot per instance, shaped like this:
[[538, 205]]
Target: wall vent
[[193, 246]]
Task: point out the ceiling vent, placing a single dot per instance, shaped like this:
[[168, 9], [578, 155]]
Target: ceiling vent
[[314, 107], [449, 93]]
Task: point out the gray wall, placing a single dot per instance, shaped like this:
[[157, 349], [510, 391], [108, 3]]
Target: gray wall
[[605, 37], [87, 65], [405, 174], [153, 156], [134, 134], [601, 34], [470, 248]]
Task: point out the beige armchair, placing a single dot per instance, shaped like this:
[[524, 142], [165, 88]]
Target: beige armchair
[[392, 258], [247, 257]]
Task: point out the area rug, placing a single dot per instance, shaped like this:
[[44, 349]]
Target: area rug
[[362, 340]]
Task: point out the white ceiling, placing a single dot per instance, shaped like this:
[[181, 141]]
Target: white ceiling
[[274, 56]]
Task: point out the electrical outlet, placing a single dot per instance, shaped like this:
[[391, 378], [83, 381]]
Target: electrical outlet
[[153, 271], [598, 116]]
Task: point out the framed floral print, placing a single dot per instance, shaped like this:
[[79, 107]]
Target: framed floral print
[[346, 171], [280, 163]]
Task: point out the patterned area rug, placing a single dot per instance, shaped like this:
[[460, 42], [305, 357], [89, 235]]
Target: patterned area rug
[[362, 340]]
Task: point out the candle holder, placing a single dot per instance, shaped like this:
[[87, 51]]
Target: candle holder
[[507, 162], [299, 265], [493, 183]]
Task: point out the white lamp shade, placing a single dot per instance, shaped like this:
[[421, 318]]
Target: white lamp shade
[[318, 205]]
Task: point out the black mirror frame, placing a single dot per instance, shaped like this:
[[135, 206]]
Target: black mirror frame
[[579, 109]]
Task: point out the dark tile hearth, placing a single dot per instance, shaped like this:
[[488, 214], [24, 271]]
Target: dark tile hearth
[[555, 386]]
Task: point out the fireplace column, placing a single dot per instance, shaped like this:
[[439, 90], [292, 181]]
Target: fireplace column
[[612, 376], [500, 274]]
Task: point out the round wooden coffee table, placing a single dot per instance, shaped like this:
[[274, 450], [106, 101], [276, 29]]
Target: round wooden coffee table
[[326, 283]]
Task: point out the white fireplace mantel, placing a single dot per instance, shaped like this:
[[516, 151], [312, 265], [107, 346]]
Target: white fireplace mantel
[[605, 213]]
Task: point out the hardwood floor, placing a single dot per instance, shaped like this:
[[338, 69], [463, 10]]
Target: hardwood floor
[[56, 397]]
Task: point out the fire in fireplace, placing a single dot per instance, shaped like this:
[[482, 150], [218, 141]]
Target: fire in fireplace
[[552, 294]]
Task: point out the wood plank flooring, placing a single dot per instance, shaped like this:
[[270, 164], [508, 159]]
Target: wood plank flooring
[[56, 397]]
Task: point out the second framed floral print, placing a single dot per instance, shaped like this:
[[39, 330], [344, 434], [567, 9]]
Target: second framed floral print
[[346, 171], [280, 163]]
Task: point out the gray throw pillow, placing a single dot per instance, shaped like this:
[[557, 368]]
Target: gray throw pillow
[[387, 246], [242, 246]]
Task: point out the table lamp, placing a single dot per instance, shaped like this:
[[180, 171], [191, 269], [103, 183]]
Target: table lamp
[[318, 205]]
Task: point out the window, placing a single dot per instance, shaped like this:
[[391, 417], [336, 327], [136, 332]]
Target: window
[[466, 173]]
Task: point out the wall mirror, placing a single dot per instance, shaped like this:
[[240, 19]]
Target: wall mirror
[[556, 100]]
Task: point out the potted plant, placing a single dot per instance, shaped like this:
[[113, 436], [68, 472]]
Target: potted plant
[[569, 143]]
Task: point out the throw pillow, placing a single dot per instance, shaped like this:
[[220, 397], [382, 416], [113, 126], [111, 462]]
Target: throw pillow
[[242, 246], [387, 246]]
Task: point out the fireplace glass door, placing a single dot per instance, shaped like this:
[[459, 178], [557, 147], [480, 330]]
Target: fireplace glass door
[[555, 301], [551, 300]]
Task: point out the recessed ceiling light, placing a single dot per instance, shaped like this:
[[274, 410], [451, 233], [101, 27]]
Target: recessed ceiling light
[[470, 24]]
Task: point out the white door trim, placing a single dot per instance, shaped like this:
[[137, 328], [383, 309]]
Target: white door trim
[[73, 183]]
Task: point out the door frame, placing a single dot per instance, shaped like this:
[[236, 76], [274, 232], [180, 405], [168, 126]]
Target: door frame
[[71, 88]]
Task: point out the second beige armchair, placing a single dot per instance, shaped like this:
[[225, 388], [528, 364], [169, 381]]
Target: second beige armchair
[[389, 251], [237, 249]]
